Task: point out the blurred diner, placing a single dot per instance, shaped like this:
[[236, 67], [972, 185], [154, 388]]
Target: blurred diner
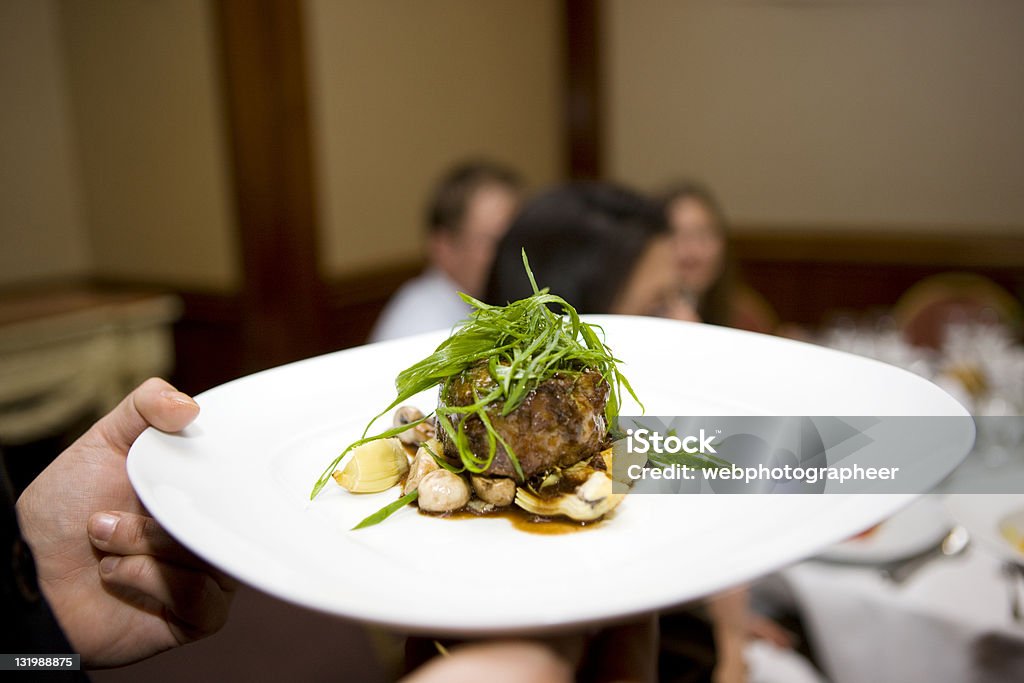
[[469, 212], [602, 247], [708, 278]]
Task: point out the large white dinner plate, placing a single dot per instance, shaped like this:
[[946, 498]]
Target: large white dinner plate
[[234, 487]]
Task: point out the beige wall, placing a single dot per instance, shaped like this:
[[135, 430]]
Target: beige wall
[[400, 89], [825, 113], [42, 233], [820, 113], [149, 126]]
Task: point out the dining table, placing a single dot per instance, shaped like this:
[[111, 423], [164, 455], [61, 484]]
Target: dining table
[[932, 617], [949, 622]]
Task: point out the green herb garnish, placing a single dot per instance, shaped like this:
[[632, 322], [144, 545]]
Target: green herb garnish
[[388, 510], [523, 344]]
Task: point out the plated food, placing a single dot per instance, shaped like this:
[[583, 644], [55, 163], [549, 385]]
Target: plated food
[[527, 394], [234, 487]]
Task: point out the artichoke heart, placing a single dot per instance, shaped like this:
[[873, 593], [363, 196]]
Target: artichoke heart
[[590, 501], [374, 466]]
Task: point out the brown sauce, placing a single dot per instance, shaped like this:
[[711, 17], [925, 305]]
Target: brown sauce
[[526, 521]]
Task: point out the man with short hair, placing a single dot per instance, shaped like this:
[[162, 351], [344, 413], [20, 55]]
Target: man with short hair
[[469, 213]]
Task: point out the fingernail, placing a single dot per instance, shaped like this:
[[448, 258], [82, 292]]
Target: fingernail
[[178, 397], [109, 563], [102, 525]]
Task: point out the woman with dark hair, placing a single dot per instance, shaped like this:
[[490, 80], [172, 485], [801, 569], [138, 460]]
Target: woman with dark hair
[[602, 247], [705, 267]]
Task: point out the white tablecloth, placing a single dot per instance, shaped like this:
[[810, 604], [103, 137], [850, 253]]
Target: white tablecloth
[[948, 622]]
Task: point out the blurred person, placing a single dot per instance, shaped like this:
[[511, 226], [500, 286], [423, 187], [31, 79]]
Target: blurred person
[[603, 248], [86, 570], [469, 212], [706, 268]]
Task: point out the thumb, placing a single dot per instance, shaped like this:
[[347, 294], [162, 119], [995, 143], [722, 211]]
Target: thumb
[[154, 403]]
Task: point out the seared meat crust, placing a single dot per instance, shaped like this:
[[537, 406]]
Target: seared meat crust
[[558, 424]]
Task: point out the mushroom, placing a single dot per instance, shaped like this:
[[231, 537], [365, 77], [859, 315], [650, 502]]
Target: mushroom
[[416, 435], [422, 464], [498, 491], [442, 491]]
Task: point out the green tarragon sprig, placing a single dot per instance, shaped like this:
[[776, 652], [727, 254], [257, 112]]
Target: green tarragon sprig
[[523, 344]]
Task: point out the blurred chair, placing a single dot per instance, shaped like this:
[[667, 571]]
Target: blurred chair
[[67, 357], [925, 310]]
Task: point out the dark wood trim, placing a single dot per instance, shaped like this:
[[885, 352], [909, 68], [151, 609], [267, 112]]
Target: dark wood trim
[[354, 302], [208, 341], [371, 285], [809, 275], [804, 274], [952, 247], [266, 107], [583, 94]]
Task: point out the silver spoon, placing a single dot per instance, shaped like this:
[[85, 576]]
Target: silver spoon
[[954, 543]]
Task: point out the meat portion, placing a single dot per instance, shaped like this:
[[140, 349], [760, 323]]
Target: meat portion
[[558, 424]]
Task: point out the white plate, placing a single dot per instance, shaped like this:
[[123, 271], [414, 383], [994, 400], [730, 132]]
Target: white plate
[[234, 487], [913, 530], [985, 515]]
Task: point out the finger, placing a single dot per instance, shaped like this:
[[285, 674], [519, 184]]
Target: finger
[[125, 533], [503, 662], [154, 402], [195, 605]]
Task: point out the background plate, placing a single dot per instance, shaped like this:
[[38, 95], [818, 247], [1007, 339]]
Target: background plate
[[913, 530]]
